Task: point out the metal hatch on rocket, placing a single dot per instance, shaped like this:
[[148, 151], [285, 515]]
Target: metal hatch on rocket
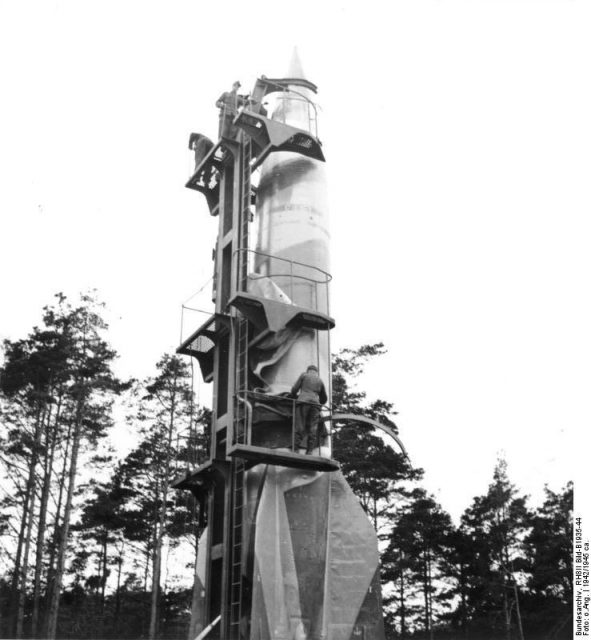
[[288, 552]]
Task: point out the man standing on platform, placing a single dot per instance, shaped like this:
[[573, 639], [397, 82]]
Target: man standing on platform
[[228, 104], [312, 394]]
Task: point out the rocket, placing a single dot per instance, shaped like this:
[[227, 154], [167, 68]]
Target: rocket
[[293, 225], [287, 551]]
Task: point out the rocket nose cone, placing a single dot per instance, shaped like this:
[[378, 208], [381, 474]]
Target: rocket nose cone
[[295, 69]]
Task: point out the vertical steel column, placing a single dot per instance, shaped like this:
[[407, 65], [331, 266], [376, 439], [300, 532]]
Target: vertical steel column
[[240, 422]]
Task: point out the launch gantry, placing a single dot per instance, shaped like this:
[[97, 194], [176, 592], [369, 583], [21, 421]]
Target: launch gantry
[[258, 297]]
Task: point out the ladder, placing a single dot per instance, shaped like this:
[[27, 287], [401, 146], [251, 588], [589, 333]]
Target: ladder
[[241, 426]]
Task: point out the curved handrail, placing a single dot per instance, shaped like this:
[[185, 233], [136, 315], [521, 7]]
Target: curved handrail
[[285, 89], [254, 275], [248, 406], [356, 418], [326, 275]]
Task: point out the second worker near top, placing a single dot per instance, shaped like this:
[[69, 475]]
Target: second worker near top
[[228, 104], [310, 393]]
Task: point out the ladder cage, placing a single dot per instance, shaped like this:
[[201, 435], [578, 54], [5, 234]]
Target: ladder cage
[[240, 422]]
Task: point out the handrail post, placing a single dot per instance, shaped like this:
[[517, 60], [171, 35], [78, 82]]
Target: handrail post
[[248, 419], [293, 413], [316, 296]]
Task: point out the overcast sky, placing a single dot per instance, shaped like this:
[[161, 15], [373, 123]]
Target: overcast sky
[[458, 142]]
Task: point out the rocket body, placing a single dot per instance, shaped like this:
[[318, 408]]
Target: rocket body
[[293, 239], [313, 552]]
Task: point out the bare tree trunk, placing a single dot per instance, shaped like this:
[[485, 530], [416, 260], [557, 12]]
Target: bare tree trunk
[[103, 584], [157, 558], [505, 565], [18, 560], [64, 531], [506, 611], [31, 482], [518, 610], [14, 594], [375, 514], [56, 532], [427, 618], [402, 601], [147, 567], [430, 593], [50, 443], [24, 568], [118, 592]]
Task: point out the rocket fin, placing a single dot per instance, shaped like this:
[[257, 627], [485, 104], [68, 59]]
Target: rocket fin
[[353, 564], [316, 571]]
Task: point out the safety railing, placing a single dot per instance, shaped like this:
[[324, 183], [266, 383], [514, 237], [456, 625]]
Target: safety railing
[[297, 110], [289, 417], [190, 451], [294, 108], [287, 281], [196, 309]]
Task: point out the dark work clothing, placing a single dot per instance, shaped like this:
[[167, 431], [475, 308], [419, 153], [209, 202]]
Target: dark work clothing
[[228, 104], [307, 412], [311, 388], [231, 100], [201, 147], [307, 417]]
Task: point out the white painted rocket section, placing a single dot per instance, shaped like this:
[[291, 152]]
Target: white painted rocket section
[[293, 226]]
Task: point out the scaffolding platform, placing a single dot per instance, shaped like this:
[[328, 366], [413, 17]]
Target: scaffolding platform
[[201, 478], [270, 135], [274, 315], [201, 343], [205, 178], [282, 458]]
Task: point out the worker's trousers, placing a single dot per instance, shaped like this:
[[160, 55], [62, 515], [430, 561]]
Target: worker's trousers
[[307, 417]]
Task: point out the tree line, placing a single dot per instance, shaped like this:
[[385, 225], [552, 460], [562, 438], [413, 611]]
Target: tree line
[[95, 544]]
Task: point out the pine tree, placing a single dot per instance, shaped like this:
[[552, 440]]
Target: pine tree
[[497, 524], [460, 569], [549, 563], [101, 523], [153, 513], [550, 545], [91, 386], [416, 552], [57, 386], [32, 369]]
